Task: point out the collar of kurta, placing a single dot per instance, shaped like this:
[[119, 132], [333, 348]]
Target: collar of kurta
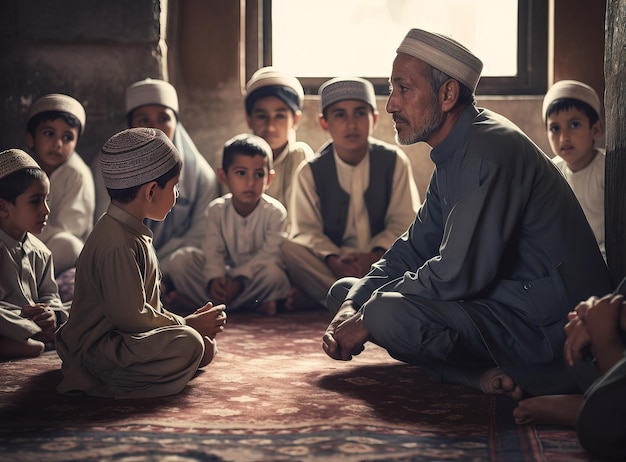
[[445, 150], [127, 219]]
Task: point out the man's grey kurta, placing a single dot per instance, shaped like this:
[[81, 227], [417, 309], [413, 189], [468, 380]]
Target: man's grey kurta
[[500, 239]]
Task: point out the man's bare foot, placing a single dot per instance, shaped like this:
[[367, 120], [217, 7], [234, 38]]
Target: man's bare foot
[[496, 382], [298, 300], [548, 410], [267, 308]]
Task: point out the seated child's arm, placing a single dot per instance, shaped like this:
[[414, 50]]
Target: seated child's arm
[[208, 320], [602, 319], [44, 317]]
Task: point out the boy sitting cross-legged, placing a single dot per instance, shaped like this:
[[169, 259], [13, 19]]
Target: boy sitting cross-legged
[[119, 341], [240, 263], [30, 306]]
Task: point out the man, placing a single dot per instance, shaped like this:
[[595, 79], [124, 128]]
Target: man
[[478, 289]]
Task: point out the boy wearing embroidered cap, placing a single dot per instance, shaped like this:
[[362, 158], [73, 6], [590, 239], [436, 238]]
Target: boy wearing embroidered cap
[[55, 124], [119, 340], [571, 111], [30, 306], [153, 103], [352, 201], [273, 105], [478, 289]]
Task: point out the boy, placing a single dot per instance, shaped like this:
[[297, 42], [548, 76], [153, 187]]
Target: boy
[[273, 109], [240, 264], [119, 340], [352, 201], [571, 111], [598, 326], [30, 307], [153, 103], [55, 124]]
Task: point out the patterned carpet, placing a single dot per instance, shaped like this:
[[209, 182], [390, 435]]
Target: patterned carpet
[[272, 395]]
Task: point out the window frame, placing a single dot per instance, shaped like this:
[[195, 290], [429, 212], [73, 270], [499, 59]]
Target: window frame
[[532, 57]]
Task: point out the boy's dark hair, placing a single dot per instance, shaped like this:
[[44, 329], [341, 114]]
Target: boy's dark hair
[[563, 104], [37, 119], [124, 196], [247, 145], [16, 183]]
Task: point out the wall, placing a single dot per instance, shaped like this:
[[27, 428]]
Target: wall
[[93, 50]]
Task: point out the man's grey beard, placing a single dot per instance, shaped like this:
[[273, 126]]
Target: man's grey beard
[[435, 121]]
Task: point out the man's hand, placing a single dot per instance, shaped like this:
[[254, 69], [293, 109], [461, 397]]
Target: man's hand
[[346, 335], [208, 320]]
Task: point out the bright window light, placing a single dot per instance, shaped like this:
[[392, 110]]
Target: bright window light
[[322, 38]]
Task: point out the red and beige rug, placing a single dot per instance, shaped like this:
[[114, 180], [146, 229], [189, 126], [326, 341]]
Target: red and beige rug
[[271, 395]]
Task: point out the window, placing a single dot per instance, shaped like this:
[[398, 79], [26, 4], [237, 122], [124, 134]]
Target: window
[[319, 39]]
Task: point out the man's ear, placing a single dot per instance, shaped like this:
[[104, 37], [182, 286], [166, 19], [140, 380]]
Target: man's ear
[[30, 140], [449, 93]]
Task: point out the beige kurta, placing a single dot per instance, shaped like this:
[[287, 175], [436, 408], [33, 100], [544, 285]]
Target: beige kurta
[[119, 340], [306, 251], [26, 272]]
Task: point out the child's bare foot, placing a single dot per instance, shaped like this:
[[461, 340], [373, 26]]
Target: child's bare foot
[[298, 300], [210, 350], [548, 410], [11, 348], [268, 308], [496, 382]]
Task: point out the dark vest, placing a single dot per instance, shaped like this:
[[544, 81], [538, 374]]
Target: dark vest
[[334, 201]]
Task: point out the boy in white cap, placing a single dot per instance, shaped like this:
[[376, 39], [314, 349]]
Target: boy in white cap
[[119, 341], [153, 103], [273, 105], [477, 291], [30, 306], [571, 111], [352, 201], [240, 263], [55, 124]]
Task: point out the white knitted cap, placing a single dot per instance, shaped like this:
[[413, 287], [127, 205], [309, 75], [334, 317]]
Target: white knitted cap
[[136, 156], [13, 160], [61, 103], [572, 89], [343, 88], [445, 54], [151, 91]]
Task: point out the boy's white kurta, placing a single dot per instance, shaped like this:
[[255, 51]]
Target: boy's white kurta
[[26, 279], [119, 341], [588, 186], [72, 201], [239, 247]]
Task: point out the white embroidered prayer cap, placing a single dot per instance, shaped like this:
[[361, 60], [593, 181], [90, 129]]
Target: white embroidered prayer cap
[[151, 91], [13, 160], [445, 54], [136, 156], [343, 88], [270, 81], [572, 89], [61, 103]]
